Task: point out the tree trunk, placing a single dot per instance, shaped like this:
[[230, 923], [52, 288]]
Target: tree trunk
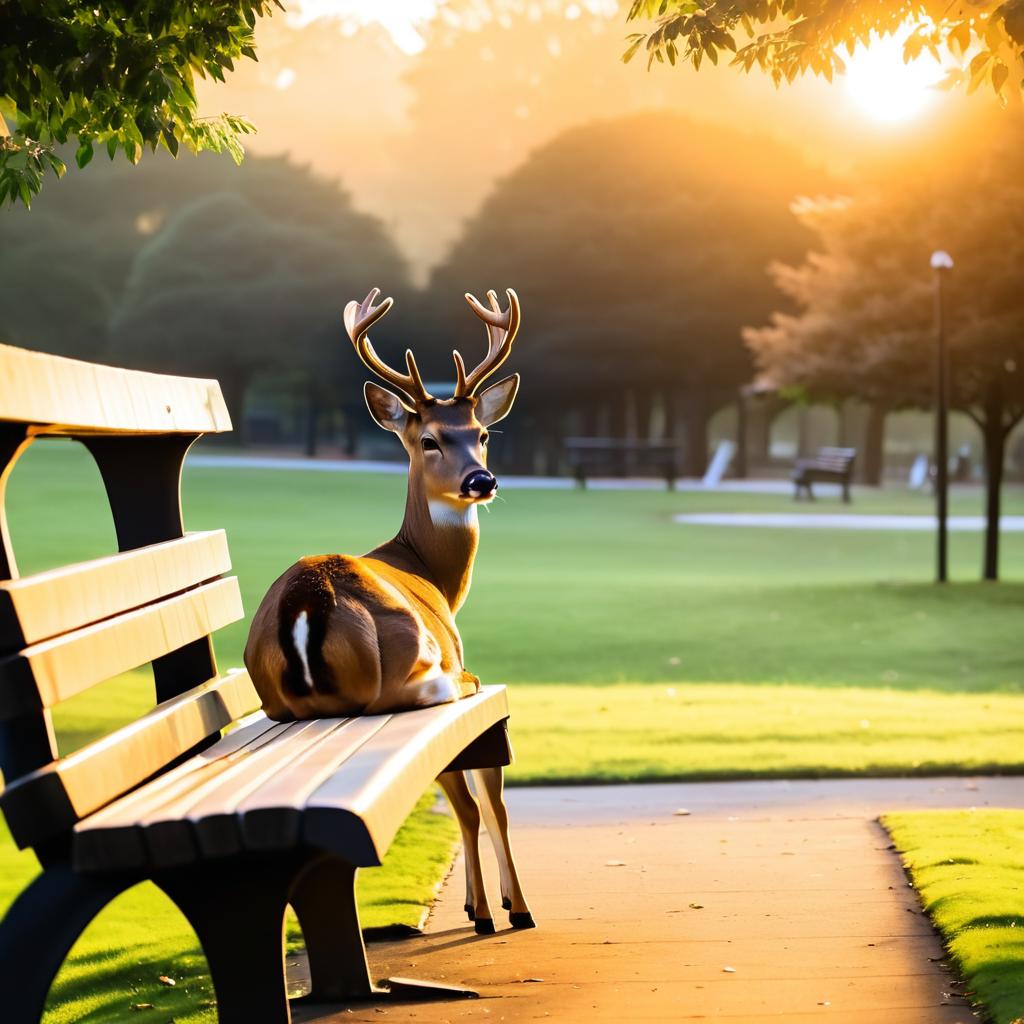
[[741, 435], [312, 419], [803, 431], [350, 422], [233, 385], [872, 464], [696, 437], [994, 434]]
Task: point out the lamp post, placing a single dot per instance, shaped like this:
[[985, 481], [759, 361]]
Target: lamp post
[[942, 263]]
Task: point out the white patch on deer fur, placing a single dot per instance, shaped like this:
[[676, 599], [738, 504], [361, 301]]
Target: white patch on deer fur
[[443, 514], [439, 690], [300, 637]]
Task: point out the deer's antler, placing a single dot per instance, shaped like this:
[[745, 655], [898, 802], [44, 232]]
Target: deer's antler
[[359, 318], [501, 332]]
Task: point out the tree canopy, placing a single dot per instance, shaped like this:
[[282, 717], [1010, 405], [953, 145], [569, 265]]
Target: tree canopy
[[639, 248], [247, 280], [788, 39], [113, 74]]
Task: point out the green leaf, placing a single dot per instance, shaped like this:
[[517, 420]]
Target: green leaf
[[959, 38], [84, 153], [1000, 72], [631, 51]]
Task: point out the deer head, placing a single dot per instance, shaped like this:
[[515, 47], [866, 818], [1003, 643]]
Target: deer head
[[445, 438]]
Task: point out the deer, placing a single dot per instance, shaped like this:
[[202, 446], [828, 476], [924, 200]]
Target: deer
[[344, 635]]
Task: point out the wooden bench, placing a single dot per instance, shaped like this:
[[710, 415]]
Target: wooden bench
[[611, 456], [232, 828], [830, 465]]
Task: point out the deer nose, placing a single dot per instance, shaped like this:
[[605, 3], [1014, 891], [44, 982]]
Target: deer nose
[[479, 484]]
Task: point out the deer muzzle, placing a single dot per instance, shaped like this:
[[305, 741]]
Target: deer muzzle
[[479, 484]]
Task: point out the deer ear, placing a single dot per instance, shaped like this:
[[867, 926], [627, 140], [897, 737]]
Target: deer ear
[[386, 408], [495, 403]]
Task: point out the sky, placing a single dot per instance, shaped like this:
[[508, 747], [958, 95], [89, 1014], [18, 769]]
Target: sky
[[401, 18], [419, 106]]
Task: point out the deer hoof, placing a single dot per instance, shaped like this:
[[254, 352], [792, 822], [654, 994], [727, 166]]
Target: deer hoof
[[484, 926], [522, 920], [506, 903], [470, 912]]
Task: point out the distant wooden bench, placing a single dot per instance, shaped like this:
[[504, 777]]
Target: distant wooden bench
[[830, 465], [612, 456], [233, 829]]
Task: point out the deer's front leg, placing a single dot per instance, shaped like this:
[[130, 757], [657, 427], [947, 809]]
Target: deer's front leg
[[467, 814], [490, 784]]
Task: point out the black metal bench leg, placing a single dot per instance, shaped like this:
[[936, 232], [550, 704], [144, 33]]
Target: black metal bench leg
[[39, 930], [237, 911], [324, 900]]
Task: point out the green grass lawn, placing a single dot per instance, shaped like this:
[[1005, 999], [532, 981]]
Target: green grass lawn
[[636, 648], [968, 867]]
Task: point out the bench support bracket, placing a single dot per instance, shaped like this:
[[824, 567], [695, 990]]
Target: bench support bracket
[[39, 930]]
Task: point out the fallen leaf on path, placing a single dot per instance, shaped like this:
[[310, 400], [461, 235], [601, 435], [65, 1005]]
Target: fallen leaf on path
[[164, 980], [142, 1006], [615, 864], [536, 981], [696, 906], [680, 812], [729, 970]]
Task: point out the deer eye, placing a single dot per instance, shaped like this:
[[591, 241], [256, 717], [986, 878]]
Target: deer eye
[[430, 445]]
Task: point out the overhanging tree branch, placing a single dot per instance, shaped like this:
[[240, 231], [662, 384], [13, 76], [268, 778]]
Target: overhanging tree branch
[[117, 75], [817, 35]]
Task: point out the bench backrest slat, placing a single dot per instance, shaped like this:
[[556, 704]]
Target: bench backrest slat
[[66, 396], [35, 608], [44, 674], [53, 798]]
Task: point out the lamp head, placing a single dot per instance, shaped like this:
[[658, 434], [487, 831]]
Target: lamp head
[[941, 260]]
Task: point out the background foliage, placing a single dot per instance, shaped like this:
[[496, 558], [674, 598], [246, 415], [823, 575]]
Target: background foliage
[[791, 38], [114, 74]]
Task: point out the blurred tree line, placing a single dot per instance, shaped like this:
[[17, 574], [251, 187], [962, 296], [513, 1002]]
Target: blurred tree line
[[638, 247], [198, 267], [648, 251]]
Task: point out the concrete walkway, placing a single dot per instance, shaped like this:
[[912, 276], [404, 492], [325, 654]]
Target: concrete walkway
[[768, 901], [844, 521], [546, 483]]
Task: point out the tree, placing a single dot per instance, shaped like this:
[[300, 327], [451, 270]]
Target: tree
[[866, 325], [639, 249], [789, 39], [254, 279], [117, 74]]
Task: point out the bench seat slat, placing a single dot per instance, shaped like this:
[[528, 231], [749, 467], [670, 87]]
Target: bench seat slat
[[351, 783], [52, 671], [160, 820], [270, 817], [36, 608], [111, 838], [56, 395], [52, 799], [357, 812], [202, 824]]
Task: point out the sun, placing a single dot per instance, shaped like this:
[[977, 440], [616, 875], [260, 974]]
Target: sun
[[887, 89]]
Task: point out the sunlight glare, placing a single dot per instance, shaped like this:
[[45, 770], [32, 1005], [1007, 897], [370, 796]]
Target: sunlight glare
[[399, 17], [884, 87]]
